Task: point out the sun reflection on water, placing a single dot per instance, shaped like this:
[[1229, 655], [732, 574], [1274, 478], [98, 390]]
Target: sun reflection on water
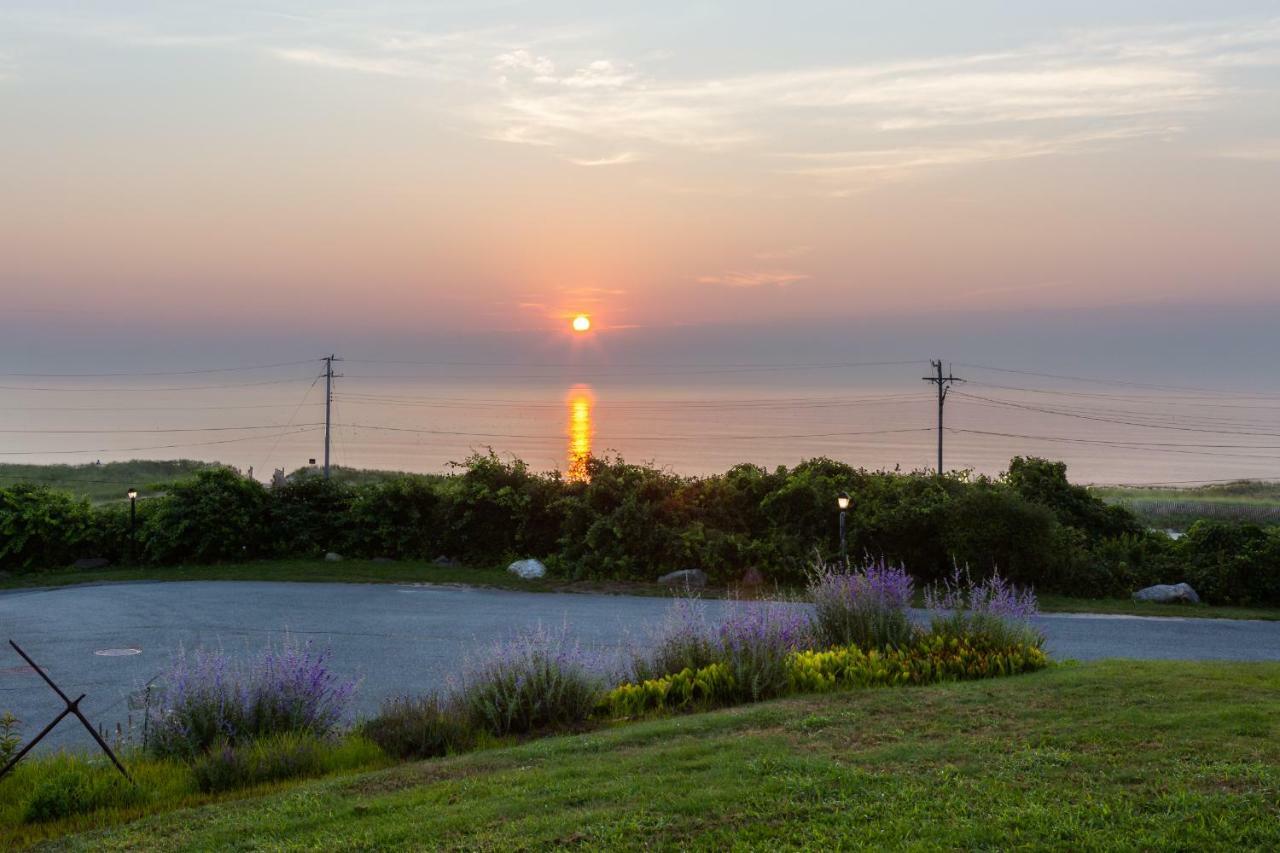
[[580, 400]]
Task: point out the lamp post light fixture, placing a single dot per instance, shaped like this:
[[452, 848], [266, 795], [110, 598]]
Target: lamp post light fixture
[[133, 524], [842, 501]]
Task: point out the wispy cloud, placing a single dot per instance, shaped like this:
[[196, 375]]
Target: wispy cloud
[[783, 254], [618, 159], [753, 278]]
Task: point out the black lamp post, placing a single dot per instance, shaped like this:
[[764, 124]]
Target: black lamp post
[[842, 501], [133, 525]]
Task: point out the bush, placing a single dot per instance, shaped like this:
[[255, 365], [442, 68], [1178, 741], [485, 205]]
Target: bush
[[227, 767], [684, 640], [79, 788], [755, 642], [991, 613], [214, 517], [10, 737], [1231, 563], [420, 727], [399, 518], [206, 698], [867, 608], [688, 689], [40, 528], [310, 516], [536, 681]]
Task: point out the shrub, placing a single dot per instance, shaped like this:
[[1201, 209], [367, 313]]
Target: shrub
[[989, 613], [1232, 563], [688, 689], [207, 698], [933, 659], [216, 516], [10, 737], [79, 788], [755, 642], [534, 681], [420, 727], [398, 518], [227, 767], [684, 640], [40, 528], [310, 515], [867, 608]]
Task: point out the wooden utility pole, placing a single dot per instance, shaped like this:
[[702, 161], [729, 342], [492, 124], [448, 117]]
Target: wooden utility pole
[[328, 406], [943, 383]]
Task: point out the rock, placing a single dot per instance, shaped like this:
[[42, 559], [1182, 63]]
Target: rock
[[384, 559], [447, 562], [1163, 593], [527, 569], [692, 578], [333, 557], [752, 578], [91, 563]]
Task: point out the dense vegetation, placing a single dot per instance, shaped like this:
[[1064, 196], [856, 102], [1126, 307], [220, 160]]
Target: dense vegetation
[[637, 521]]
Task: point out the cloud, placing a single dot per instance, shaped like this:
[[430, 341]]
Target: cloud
[[614, 160], [753, 278], [390, 67]]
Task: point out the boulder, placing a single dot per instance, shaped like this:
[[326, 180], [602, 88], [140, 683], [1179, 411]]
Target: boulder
[[693, 578], [91, 563], [447, 562], [752, 579], [333, 557], [527, 569], [1164, 593]]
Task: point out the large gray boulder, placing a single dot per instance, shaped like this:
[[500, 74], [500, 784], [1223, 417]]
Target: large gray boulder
[[527, 569], [694, 578], [333, 557], [1165, 593]]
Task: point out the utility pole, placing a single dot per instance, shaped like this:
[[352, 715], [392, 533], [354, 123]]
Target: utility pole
[[943, 383], [328, 405]]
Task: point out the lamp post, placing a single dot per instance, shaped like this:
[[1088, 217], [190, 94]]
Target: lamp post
[[133, 525], [842, 501]]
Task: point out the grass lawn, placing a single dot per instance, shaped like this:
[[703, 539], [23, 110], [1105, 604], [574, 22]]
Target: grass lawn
[[1109, 755], [418, 571]]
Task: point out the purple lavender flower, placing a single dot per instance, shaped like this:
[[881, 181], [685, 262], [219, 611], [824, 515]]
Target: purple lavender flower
[[207, 697], [992, 610], [866, 607]]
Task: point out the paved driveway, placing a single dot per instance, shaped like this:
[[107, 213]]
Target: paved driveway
[[408, 639]]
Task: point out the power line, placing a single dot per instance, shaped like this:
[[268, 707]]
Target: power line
[[1027, 407], [116, 390], [147, 430], [589, 373], [708, 437], [161, 372], [1120, 382], [150, 447]]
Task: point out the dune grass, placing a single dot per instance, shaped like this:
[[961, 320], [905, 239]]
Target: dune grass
[[1119, 754]]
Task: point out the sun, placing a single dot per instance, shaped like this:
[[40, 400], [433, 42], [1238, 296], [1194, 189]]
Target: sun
[[582, 323]]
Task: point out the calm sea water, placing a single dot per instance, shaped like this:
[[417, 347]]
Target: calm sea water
[[692, 425]]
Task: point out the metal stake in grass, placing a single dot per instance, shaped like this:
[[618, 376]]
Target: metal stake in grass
[[73, 708]]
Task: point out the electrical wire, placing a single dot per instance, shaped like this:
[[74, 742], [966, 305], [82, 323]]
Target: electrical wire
[[161, 372]]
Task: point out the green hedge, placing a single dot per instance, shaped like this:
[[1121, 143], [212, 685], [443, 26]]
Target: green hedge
[[637, 521]]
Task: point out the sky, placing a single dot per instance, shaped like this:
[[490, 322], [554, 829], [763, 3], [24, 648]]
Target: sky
[[1068, 185]]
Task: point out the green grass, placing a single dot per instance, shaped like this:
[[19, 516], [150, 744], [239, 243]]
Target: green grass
[[1253, 501], [1111, 755], [106, 482], [1128, 607], [420, 571]]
